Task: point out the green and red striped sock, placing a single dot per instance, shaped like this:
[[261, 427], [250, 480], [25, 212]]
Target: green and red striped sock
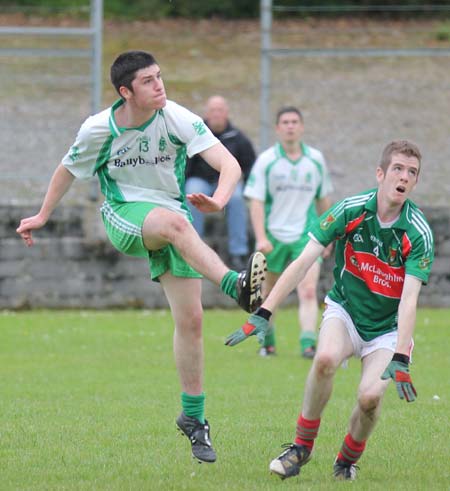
[[351, 450], [306, 431]]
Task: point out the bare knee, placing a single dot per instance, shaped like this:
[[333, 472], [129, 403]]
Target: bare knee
[[191, 323], [369, 401], [162, 227], [175, 228], [324, 364], [308, 293]]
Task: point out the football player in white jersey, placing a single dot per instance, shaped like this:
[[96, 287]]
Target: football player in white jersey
[[288, 186], [138, 147]]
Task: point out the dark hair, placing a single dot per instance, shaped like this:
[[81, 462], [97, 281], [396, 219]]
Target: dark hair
[[404, 147], [288, 109], [123, 70]]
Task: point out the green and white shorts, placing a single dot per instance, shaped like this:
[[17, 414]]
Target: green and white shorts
[[123, 223], [283, 254]]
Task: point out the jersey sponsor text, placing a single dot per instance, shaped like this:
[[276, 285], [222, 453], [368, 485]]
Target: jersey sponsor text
[[380, 277], [133, 161]]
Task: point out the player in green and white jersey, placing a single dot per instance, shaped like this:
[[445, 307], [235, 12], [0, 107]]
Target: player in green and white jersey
[[384, 253], [289, 183], [138, 148]]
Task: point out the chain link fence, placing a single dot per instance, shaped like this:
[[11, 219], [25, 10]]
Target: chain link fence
[[361, 82], [51, 80]]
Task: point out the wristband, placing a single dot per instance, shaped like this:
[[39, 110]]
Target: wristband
[[401, 357], [264, 313]]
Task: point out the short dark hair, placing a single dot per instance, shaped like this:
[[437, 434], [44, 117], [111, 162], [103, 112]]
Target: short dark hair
[[404, 147], [123, 70], [288, 109]]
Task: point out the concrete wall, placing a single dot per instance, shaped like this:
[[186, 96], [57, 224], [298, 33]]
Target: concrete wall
[[73, 265]]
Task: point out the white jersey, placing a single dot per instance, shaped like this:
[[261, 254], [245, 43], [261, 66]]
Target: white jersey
[[140, 164], [289, 190]]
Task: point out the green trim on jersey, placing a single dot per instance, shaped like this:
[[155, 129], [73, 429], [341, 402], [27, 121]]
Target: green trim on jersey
[[180, 174], [311, 217], [117, 130], [268, 201], [306, 152], [371, 261], [284, 155], [179, 168], [174, 139], [108, 186], [140, 164], [311, 212]]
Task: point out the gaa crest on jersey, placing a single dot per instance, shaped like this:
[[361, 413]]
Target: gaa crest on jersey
[[424, 263], [74, 154], [199, 127], [392, 255], [354, 261], [294, 175], [324, 224], [162, 144]]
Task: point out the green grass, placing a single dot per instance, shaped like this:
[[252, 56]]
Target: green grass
[[88, 402]]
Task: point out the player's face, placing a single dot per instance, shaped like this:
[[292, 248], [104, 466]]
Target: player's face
[[399, 180], [148, 89], [289, 128]]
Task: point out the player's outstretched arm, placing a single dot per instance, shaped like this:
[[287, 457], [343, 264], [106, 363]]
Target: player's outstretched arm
[[258, 323], [59, 184], [398, 368]]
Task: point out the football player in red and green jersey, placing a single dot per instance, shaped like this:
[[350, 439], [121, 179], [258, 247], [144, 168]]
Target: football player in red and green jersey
[[384, 253]]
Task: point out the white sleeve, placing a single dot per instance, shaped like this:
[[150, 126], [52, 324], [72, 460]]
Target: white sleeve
[[83, 155], [256, 182], [189, 128]]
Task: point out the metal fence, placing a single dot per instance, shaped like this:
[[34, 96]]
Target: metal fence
[[269, 52], [361, 81], [48, 64]]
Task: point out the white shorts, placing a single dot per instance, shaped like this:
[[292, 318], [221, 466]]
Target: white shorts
[[361, 348]]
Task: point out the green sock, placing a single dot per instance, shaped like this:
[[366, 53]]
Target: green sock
[[307, 340], [194, 406], [269, 339], [228, 284]]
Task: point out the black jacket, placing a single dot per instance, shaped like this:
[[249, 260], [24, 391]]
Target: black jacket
[[238, 145]]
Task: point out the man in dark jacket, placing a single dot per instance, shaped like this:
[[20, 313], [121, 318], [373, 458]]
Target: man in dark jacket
[[202, 178]]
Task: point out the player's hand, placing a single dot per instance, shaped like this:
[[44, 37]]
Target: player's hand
[[204, 203], [255, 326], [264, 246], [398, 371], [27, 225]]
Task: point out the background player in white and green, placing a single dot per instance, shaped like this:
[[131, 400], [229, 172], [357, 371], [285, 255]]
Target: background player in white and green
[[138, 149], [384, 253], [289, 183]]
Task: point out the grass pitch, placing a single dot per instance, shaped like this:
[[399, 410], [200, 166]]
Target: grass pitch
[[89, 401]]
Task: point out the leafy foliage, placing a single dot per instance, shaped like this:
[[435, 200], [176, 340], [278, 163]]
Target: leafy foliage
[[157, 9]]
